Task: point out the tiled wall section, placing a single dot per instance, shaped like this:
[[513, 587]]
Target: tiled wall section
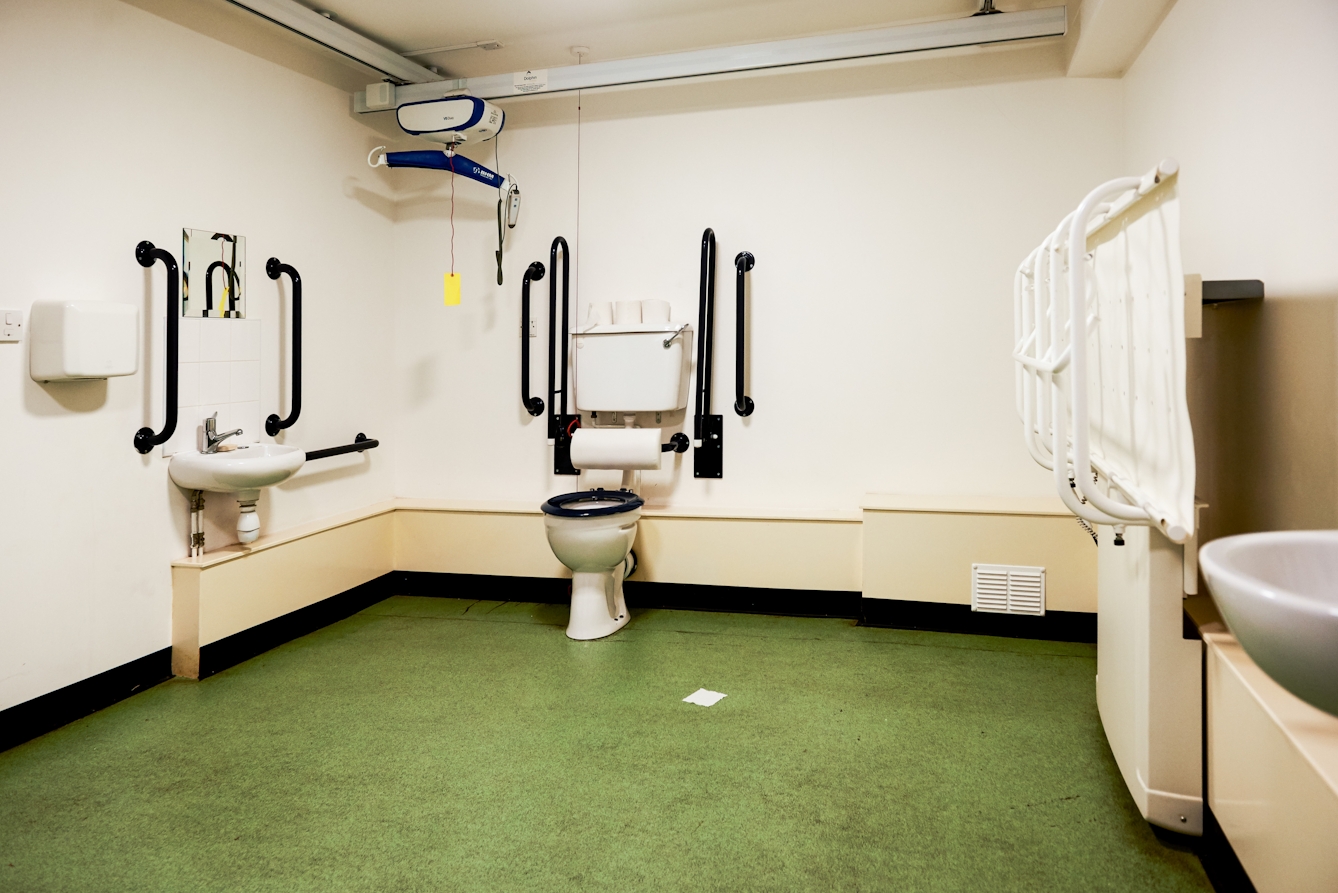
[[219, 372]]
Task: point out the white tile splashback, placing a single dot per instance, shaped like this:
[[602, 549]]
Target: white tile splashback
[[218, 371], [215, 382], [245, 343], [216, 339]]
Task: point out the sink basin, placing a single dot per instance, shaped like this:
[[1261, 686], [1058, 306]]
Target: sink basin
[[1278, 592], [248, 467]]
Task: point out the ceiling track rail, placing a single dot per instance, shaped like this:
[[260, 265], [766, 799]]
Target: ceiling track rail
[[871, 45], [345, 41]]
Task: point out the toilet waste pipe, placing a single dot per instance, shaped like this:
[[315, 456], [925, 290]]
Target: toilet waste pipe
[[148, 254]]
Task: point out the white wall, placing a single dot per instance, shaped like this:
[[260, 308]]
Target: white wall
[[128, 128], [1241, 92], [886, 226]]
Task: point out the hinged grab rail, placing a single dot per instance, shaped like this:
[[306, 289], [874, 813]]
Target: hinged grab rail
[[560, 421], [708, 431]]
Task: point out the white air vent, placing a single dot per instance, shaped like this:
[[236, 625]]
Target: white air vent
[[1007, 589]]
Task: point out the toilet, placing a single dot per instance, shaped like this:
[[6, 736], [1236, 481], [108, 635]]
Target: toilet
[[592, 533], [630, 377]]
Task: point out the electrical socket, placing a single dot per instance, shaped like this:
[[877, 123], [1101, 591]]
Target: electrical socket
[[11, 325]]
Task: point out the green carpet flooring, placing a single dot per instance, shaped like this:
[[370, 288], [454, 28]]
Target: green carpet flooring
[[449, 745]]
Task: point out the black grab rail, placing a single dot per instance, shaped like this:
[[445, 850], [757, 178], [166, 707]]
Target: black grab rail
[[209, 287], [147, 254], [707, 430], [533, 273], [743, 404], [556, 410], [360, 443], [560, 422], [274, 269]]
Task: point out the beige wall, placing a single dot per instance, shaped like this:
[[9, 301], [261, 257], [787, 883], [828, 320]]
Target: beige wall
[[919, 549], [1241, 93], [887, 207], [131, 127]]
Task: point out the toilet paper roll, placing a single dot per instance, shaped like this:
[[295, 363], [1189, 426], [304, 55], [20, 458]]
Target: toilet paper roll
[[627, 312], [655, 311], [623, 448], [599, 314]]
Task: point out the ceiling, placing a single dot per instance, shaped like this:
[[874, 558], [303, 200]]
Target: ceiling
[[541, 33]]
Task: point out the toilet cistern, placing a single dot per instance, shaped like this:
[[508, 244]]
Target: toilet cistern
[[631, 362]]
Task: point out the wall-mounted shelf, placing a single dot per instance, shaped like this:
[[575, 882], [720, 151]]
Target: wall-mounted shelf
[[1219, 291]]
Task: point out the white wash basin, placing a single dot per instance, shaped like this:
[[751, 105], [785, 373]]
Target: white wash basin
[[249, 467], [1278, 592]]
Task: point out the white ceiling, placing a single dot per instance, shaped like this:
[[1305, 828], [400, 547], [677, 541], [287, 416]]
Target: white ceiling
[[540, 33]]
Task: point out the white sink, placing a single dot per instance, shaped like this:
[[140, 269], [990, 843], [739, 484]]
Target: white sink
[[249, 467], [1278, 592]]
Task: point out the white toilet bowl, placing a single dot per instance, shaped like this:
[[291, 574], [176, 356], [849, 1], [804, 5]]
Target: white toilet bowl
[[592, 533]]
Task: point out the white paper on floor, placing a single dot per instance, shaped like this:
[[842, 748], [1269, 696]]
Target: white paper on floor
[[704, 697]]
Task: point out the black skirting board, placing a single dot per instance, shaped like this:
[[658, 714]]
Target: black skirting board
[[1054, 626], [50, 711]]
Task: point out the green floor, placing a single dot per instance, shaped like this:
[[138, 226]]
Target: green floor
[[448, 745]]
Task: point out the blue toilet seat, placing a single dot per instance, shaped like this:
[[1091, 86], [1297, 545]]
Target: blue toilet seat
[[592, 503]]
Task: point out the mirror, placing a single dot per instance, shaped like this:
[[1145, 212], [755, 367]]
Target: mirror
[[213, 274]]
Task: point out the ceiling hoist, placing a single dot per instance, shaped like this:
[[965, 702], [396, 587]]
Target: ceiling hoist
[[454, 121]]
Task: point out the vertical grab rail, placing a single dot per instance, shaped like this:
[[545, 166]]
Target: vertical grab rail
[[274, 269], [560, 421], [147, 254], [556, 411], [743, 404], [705, 333], [533, 273], [708, 430]]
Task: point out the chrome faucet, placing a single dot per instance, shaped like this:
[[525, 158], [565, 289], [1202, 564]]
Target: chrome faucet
[[211, 438]]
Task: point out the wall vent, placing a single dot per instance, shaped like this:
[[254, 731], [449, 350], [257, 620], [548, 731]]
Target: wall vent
[[1007, 589]]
